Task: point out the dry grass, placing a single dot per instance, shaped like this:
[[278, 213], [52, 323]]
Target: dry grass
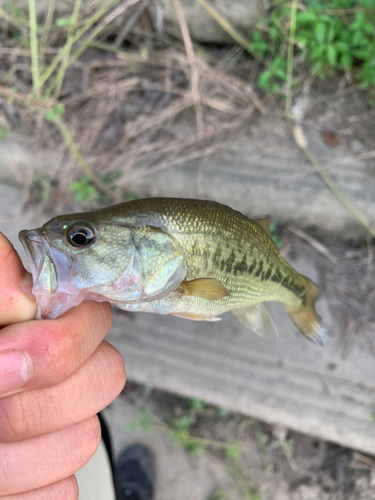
[[123, 108]]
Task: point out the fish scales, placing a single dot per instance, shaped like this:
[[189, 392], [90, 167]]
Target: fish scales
[[190, 258], [231, 251]]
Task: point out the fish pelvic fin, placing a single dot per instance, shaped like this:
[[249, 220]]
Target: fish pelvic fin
[[257, 319], [195, 317], [302, 312]]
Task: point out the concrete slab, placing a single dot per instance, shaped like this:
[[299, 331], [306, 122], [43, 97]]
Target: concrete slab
[[289, 382]]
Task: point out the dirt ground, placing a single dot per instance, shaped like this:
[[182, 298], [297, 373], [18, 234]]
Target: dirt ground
[[265, 462]]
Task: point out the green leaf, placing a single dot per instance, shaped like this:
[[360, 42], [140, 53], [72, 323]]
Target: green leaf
[[142, 423], [346, 61], [332, 55], [4, 132], [320, 32], [307, 17], [316, 67], [330, 33], [128, 196], [197, 404], [54, 112], [316, 52], [64, 21], [233, 451], [194, 448], [264, 78], [302, 40], [274, 33], [342, 47], [222, 412], [184, 422], [280, 73], [359, 39]]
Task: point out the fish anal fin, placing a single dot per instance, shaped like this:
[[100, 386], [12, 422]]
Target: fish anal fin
[[195, 317], [302, 312], [206, 288], [264, 223], [257, 319]]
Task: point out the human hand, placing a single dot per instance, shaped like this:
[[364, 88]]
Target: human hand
[[55, 376]]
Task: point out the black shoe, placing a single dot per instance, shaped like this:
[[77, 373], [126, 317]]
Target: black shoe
[[135, 474]]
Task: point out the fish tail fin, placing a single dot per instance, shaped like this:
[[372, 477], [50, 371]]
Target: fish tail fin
[[302, 312]]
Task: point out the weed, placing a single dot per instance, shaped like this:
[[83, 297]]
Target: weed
[[40, 187], [144, 422], [64, 21], [248, 488], [329, 37], [83, 189], [261, 446], [4, 132], [128, 196], [197, 404], [221, 412], [233, 451], [220, 495], [54, 113]]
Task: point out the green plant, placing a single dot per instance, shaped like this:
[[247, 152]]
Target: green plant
[[329, 37], [86, 191], [83, 189], [144, 422], [47, 75], [197, 404], [4, 132], [54, 112], [220, 495]]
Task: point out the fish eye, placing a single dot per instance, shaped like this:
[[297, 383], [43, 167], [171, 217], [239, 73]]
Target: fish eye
[[80, 235]]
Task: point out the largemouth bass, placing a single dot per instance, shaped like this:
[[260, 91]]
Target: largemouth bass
[[189, 258]]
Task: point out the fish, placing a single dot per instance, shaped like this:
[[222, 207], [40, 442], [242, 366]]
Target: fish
[[188, 258]]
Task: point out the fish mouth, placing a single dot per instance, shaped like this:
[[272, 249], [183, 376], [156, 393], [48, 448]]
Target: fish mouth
[[36, 250], [50, 271]]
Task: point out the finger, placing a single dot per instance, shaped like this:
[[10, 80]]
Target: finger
[[67, 489], [43, 353], [90, 389], [17, 302], [47, 459]]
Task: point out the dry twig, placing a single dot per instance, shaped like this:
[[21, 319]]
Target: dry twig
[[193, 64], [314, 243]]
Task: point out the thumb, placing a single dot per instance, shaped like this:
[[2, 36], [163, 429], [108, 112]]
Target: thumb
[[17, 302]]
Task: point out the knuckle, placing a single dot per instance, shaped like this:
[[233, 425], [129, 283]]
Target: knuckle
[[88, 435], [19, 417], [114, 368], [66, 489]]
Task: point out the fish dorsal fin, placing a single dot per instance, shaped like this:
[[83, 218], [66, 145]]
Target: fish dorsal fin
[[206, 288], [257, 319], [264, 223]]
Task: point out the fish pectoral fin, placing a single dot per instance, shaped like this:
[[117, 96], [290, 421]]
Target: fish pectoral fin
[[195, 317], [264, 222], [257, 319], [206, 288]]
